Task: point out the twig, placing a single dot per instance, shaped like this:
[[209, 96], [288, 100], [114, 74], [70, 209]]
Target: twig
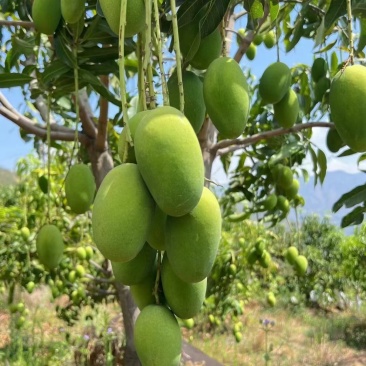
[[225, 146], [350, 31], [16, 23], [177, 55]]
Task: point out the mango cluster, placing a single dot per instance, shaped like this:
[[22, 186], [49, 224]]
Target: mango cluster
[[298, 262], [287, 187], [258, 253], [156, 206], [48, 13], [275, 88]]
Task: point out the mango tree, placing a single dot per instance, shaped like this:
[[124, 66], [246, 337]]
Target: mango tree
[[91, 69]]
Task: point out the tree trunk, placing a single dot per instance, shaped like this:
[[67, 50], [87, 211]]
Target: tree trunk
[[207, 138], [102, 163], [130, 313]]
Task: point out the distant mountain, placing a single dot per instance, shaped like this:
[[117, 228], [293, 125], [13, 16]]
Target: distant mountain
[[320, 199], [6, 177]]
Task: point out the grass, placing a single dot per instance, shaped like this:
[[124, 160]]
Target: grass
[[301, 337]]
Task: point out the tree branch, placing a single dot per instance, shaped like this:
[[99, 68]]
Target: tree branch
[[86, 115], [17, 23], [57, 132], [101, 140], [225, 146], [249, 38]]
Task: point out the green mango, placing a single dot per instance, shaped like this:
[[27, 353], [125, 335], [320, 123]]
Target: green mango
[[334, 141], [347, 106], [72, 10], [137, 269], [135, 15], [50, 246], [156, 235], [194, 104], [127, 153], [287, 109], [291, 254], [157, 337], [46, 15], [199, 52], [184, 299], [274, 83], [192, 240], [122, 214], [300, 265], [319, 69], [80, 188], [169, 158], [226, 96]]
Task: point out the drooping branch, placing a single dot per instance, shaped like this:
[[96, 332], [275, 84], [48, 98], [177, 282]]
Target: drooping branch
[[225, 146], [16, 23], [57, 132]]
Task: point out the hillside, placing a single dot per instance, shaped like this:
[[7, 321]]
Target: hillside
[[7, 177], [320, 199]]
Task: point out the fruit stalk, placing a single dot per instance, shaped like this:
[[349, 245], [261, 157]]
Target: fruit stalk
[[157, 280], [140, 74], [48, 158], [121, 61], [177, 54], [151, 86], [159, 42], [350, 31], [147, 35], [77, 109]]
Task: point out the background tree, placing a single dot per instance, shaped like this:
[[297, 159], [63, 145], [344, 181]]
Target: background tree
[[71, 87]]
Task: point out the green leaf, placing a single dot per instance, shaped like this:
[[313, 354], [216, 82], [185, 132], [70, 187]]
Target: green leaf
[[256, 10], [327, 48], [322, 162], [355, 217], [347, 152], [336, 9], [226, 160], [286, 151], [314, 159], [351, 198], [63, 51], [274, 8], [9, 80], [362, 39], [98, 86], [54, 70], [25, 47], [297, 33], [333, 63], [305, 174], [320, 34], [216, 10]]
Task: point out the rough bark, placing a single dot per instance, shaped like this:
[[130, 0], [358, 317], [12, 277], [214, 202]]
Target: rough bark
[[207, 138], [130, 313]]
